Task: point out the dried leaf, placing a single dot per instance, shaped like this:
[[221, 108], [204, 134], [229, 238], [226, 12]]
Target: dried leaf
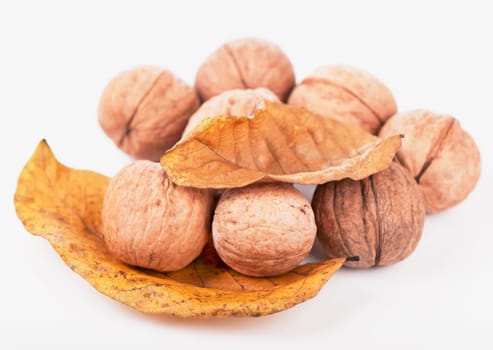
[[280, 143], [63, 205]]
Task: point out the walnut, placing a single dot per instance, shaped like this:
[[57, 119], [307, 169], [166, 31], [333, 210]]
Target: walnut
[[263, 229], [150, 222], [346, 94], [237, 102], [379, 219], [245, 63], [441, 156], [144, 111]]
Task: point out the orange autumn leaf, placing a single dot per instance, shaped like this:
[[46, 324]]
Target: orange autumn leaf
[[63, 205], [280, 143]]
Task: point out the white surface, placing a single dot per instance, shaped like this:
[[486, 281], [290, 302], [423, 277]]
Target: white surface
[[57, 57]]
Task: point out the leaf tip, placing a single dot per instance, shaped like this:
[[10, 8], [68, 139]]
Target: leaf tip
[[43, 147]]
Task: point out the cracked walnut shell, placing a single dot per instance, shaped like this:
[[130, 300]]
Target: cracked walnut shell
[[144, 111], [245, 64], [263, 229], [346, 94], [442, 157], [150, 222], [379, 219]]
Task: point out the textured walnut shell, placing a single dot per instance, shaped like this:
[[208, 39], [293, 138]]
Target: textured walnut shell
[[442, 157], [144, 111], [150, 222], [379, 219], [245, 64], [237, 102], [346, 94], [263, 229]]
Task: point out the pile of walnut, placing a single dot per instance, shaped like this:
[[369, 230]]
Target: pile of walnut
[[268, 229]]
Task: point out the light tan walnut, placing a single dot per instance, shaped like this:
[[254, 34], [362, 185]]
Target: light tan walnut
[[237, 102], [378, 219], [150, 222], [346, 94], [144, 111], [442, 157], [263, 229], [245, 64]]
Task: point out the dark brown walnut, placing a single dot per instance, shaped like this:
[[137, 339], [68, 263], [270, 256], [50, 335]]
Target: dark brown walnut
[[442, 157], [245, 64], [145, 110], [379, 219], [150, 222], [346, 94]]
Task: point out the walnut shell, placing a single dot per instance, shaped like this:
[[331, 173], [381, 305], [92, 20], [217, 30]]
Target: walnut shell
[[379, 219], [443, 158], [150, 222], [346, 94], [245, 63], [236, 102], [263, 229], [144, 111]]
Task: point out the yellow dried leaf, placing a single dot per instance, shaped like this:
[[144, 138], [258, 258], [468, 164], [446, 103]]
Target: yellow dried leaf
[[280, 143], [63, 205]]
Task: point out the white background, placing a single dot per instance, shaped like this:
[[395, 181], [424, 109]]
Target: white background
[[55, 59]]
